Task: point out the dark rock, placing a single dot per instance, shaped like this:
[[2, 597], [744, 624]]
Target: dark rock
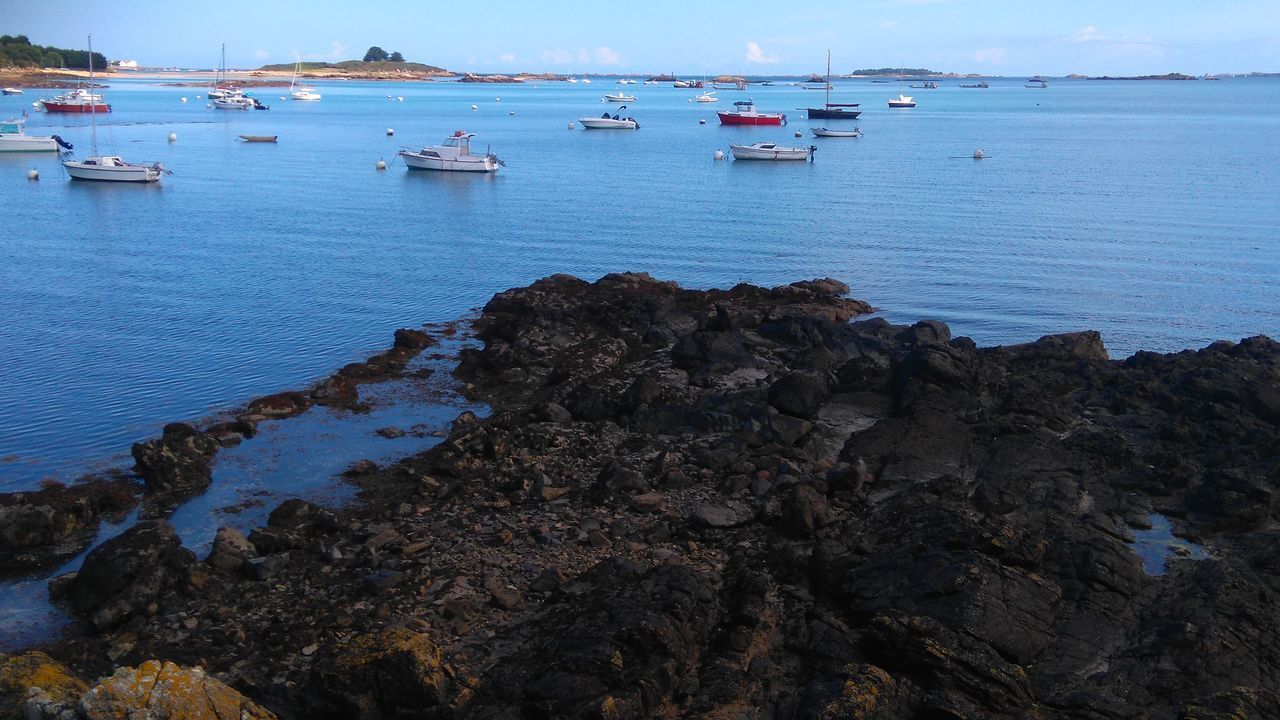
[[390, 433], [267, 566], [382, 581], [336, 391], [548, 580], [230, 550], [805, 511], [413, 339], [180, 461], [360, 468], [730, 514], [280, 405], [41, 528], [800, 394], [124, 575]]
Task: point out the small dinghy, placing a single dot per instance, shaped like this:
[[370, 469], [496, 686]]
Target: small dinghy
[[771, 151], [825, 132], [259, 138]]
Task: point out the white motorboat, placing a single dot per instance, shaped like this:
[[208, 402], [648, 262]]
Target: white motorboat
[[824, 132], [572, 80], [12, 91], [14, 139], [301, 92], [902, 101], [771, 151], [454, 154], [233, 102], [108, 168], [586, 81], [620, 97], [610, 122], [706, 97]]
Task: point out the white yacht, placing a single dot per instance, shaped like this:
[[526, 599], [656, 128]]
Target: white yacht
[[707, 97], [14, 139], [301, 92], [620, 97], [902, 101], [454, 154], [12, 91], [610, 122]]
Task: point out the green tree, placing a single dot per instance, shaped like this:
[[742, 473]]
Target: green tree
[[375, 54], [52, 59], [397, 57]]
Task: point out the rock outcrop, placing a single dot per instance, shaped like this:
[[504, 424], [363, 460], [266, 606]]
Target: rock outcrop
[[750, 503], [43, 528]]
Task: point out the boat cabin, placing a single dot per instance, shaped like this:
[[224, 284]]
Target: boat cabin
[[746, 107], [11, 126], [107, 161], [460, 140]]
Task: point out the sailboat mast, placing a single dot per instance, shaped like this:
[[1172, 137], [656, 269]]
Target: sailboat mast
[[93, 102], [828, 83]]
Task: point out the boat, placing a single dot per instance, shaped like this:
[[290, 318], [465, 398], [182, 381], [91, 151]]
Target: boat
[[453, 155], [301, 92], [13, 138], [610, 122], [79, 100], [259, 138], [233, 102], [926, 85], [572, 80], [706, 97], [688, 84], [745, 113], [830, 110], [825, 132], [108, 168], [620, 97], [771, 151], [902, 101], [650, 82], [586, 81], [820, 87], [1036, 83], [980, 86], [11, 91]]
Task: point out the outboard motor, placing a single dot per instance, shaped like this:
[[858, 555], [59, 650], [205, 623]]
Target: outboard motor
[[63, 143], [812, 149]]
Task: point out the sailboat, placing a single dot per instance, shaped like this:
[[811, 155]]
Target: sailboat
[[302, 92], [834, 111], [108, 168]]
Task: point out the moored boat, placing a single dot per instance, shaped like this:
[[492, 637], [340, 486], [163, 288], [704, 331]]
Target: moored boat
[[707, 97], [79, 100], [232, 102], [301, 92], [926, 85], [902, 101], [259, 138], [453, 155], [826, 132], [13, 138], [830, 110], [108, 168], [620, 97], [12, 91], [979, 86], [610, 122], [745, 113], [771, 151], [1036, 83]]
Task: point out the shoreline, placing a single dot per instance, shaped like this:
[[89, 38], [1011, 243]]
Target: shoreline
[[715, 464]]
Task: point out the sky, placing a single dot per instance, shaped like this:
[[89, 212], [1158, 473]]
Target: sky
[[693, 37]]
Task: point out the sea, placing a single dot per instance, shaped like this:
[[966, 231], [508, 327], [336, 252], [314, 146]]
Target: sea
[[1146, 210]]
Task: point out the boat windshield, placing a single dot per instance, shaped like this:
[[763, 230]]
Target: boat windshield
[[10, 127]]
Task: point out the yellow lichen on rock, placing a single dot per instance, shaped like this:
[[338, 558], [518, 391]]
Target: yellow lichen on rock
[[21, 674], [158, 690]]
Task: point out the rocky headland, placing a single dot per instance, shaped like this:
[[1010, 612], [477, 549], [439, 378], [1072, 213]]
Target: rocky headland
[[743, 503]]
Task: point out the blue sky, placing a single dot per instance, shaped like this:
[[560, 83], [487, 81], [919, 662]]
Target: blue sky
[[744, 36]]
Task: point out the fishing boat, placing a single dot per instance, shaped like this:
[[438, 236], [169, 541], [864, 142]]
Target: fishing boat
[[79, 100], [11, 91], [688, 84], [979, 86], [13, 138], [453, 155], [1037, 83], [830, 110], [826, 132], [259, 138], [771, 151], [108, 168], [610, 122], [232, 102], [706, 97], [902, 101], [620, 97], [301, 92], [926, 85], [745, 113]]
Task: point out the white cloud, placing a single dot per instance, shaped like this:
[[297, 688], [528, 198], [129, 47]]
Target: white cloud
[[557, 57], [991, 56], [605, 56], [508, 58], [261, 54], [756, 55], [1090, 33], [337, 50]]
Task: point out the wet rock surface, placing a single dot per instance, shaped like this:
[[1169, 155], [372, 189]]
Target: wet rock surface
[[741, 504], [45, 527]]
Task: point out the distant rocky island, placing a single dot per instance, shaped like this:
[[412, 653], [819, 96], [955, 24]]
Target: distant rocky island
[[374, 69], [1166, 76]]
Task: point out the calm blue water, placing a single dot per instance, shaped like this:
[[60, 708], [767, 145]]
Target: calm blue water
[[1149, 211]]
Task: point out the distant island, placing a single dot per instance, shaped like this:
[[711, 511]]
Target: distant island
[[1167, 76], [361, 69]]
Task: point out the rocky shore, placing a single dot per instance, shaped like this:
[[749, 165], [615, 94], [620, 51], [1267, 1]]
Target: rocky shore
[[743, 503]]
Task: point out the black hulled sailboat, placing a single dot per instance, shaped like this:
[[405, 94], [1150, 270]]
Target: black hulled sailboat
[[834, 111]]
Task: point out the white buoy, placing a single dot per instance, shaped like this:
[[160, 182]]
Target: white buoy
[[719, 155], [33, 174], [570, 124], [799, 134], [388, 97], [173, 137], [497, 99], [475, 107], [199, 97], [184, 99], [978, 154], [400, 98], [390, 132], [282, 97], [382, 165]]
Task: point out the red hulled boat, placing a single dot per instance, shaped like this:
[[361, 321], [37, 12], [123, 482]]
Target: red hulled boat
[[745, 113], [76, 101]]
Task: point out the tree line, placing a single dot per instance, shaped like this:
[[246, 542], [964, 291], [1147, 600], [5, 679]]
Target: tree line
[[377, 54], [17, 51]]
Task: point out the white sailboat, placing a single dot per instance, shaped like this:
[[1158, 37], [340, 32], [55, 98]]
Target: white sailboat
[[108, 168], [301, 92]]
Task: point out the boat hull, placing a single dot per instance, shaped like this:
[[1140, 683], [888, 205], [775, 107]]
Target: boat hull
[[54, 107], [26, 143], [833, 114], [131, 174], [474, 165], [895, 104], [824, 132], [741, 152], [602, 124], [728, 118]]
